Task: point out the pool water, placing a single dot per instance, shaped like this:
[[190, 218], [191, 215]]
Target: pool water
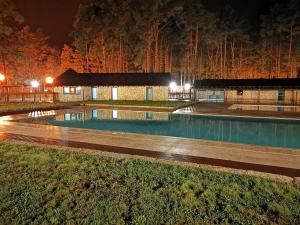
[[265, 132]]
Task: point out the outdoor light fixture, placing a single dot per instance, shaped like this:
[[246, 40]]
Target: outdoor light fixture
[[2, 77], [35, 84], [173, 86], [187, 86], [49, 80]]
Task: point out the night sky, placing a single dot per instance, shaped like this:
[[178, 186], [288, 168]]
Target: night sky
[[55, 17]]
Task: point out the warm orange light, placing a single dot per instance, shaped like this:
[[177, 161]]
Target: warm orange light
[[2, 77], [49, 80]]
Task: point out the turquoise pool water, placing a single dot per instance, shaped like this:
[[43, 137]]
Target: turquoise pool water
[[265, 132]]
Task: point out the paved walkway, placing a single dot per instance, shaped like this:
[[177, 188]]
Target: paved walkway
[[266, 159], [223, 109]]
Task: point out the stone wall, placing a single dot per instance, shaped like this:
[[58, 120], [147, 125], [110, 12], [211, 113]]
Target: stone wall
[[160, 93], [138, 93], [85, 94], [113, 114], [291, 97]]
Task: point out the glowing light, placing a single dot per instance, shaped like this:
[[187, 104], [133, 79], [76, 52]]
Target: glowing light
[[173, 86], [49, 80], [2, 77], [35, 84], [187, 86]]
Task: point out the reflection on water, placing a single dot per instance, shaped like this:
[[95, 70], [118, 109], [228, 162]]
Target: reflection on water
[[97, 114], [271, 108], [280, 133], [36, 114]]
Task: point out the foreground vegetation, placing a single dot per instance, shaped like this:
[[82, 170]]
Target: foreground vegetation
[[43, 185], [140, 103], [6, 108]]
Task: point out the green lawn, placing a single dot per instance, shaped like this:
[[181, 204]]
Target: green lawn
[[42, 185], [141, 103], [14, 107]]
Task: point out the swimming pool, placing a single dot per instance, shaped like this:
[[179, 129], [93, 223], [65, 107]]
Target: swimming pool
[[265, 132]]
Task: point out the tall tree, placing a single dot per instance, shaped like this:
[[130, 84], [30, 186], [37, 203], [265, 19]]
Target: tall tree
[[10, 19]]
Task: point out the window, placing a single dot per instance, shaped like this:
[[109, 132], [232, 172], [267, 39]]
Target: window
[[78, 90], [239, 92], [281, 95], [72, 116], [66, 90], [72, 90], [149, 115]]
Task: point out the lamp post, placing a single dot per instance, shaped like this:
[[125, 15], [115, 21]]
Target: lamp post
[[2, 78], [49, 82], [34, 84]]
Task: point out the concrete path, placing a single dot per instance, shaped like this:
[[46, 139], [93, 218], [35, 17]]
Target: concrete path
[[165, 146]]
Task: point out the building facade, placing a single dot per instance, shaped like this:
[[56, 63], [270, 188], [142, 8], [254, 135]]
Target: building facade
[[72, 86], [249, 91]]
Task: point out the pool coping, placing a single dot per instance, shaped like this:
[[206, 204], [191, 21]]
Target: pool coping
[[289, 172], [174, 148], [237, 116]]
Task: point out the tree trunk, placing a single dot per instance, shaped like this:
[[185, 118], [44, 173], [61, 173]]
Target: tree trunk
[[290, 68], [225, 55], [156, 50]]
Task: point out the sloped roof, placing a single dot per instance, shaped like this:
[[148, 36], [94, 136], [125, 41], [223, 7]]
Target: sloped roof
[[72, 78], [287, 83]]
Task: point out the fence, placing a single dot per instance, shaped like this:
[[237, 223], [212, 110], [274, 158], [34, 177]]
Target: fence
[[181, 96], [23, 94]]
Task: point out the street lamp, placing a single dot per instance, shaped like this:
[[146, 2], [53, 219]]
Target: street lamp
[[49, 80], [173, 86], [35, 84], [187, 86], [2, 77]]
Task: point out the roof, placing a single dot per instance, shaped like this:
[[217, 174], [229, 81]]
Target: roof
[[72, 78], [276, 83]]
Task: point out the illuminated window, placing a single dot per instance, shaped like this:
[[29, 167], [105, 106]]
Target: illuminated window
[[66, 90], [149, 115], [78, 90], [72, 90]]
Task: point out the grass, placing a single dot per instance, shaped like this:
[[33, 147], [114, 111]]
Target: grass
[[6, 108], [140, 103], [42, 185]]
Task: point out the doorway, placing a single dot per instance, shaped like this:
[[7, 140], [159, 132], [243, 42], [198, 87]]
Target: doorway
[[114, 93], [94, 93], [149, 94]]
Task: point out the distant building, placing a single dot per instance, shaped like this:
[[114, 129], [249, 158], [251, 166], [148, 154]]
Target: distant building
[[73, 86], [252, 91]]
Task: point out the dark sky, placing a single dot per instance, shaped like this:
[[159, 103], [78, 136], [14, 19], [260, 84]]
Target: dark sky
[[56, 17]]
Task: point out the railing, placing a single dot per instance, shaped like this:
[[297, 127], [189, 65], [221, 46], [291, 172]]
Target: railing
[[181, 96], [28, 97]]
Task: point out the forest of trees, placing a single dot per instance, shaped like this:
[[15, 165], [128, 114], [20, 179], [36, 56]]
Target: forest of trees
[[177, 36], [24, 54]]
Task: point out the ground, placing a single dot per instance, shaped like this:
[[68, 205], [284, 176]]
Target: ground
[[47, 185]]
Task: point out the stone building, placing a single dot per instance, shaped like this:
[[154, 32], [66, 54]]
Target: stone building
[[251, 91], [73, 86]]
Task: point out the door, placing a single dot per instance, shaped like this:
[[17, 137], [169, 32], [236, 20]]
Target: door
[[149, 94], [114, 93], [281, 96], [94, 93]]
